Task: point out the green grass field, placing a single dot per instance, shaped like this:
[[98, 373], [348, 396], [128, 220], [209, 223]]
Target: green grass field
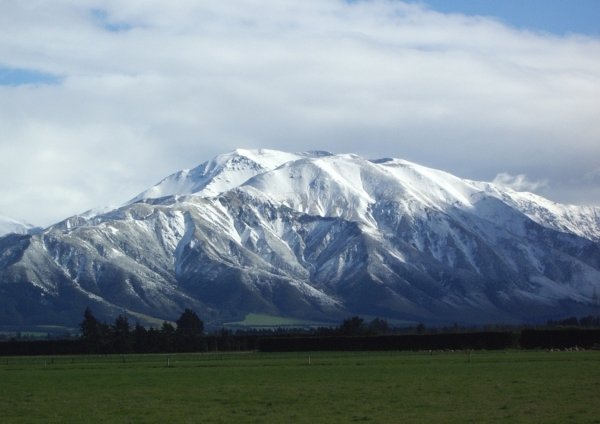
[[388, 387], [273, 322]]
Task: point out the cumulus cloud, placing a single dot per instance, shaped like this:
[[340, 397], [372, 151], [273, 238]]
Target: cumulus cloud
[[147, 88]]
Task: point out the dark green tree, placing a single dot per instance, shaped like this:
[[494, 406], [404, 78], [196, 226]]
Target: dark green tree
[[188, 335], [90, 332], [379, 326], [140, 339], [354, 326], [121, 335], [167, 337]]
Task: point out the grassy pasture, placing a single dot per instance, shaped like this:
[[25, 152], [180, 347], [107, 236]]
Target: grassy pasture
[[253, 320], [382, 387]]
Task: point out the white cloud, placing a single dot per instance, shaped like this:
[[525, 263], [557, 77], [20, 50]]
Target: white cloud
[[519, 182], [151, 87]]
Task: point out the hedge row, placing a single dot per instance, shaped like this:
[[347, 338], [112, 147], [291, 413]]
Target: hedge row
[[525, 339]]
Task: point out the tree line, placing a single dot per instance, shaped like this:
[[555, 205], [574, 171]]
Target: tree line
[[354, 333], [121, 337]]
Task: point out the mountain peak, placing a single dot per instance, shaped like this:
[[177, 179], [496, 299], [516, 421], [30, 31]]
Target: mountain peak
[[222, 173]]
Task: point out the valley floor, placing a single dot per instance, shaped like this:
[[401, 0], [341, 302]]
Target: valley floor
[[321, 387]]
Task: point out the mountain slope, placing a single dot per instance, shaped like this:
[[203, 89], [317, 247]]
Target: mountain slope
[[315, 236]]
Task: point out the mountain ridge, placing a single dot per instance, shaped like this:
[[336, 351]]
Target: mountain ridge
[[13, 226], [317, 236]]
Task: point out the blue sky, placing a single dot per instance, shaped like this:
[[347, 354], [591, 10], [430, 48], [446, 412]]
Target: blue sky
[[100, 99], [554, 16], [103, 20], [14, 77]]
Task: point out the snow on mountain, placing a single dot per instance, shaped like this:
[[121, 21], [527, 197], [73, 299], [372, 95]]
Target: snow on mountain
[[9, 225], [312, 235], [220, 174], [349, 177], [581, 220]]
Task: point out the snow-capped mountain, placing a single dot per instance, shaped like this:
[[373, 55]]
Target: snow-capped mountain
[[9, 225], [221, 174], [311, 235]]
